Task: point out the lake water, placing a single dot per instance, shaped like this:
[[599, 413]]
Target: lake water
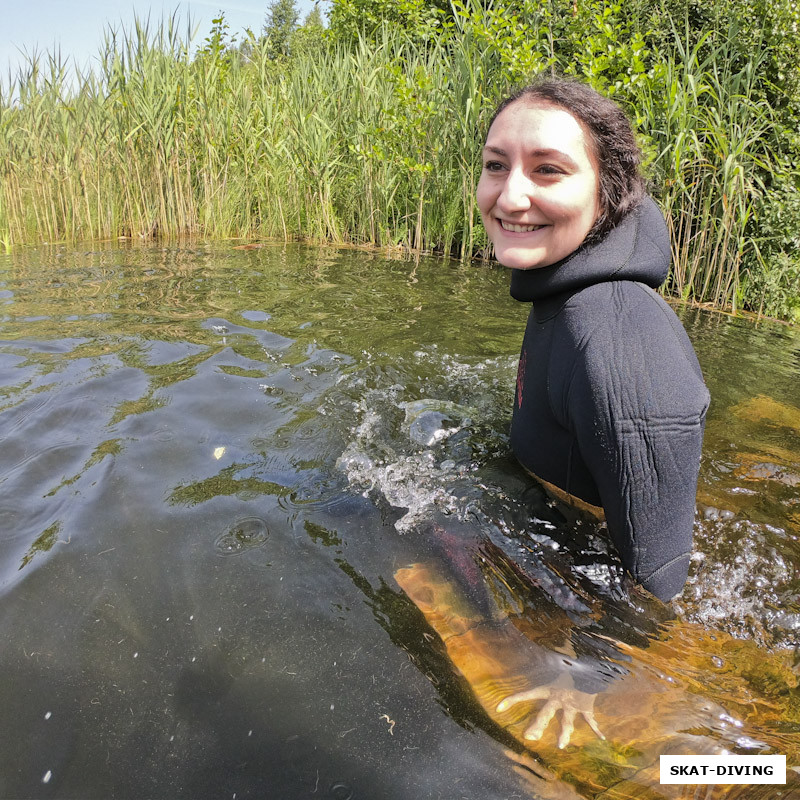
[[214, 462]]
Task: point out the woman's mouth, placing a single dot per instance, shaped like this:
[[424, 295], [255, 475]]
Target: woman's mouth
[[514, 228]]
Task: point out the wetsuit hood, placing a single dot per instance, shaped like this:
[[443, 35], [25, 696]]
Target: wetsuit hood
[[637, 249]]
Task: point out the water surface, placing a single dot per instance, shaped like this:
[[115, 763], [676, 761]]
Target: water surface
[[215, 460]]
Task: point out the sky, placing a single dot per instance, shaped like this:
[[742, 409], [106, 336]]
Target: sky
[[76, 26]]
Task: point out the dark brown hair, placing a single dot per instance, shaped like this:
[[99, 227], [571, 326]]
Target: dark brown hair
[[611, 138]]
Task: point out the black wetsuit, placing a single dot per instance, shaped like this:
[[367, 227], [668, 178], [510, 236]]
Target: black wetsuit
[[610, 401]]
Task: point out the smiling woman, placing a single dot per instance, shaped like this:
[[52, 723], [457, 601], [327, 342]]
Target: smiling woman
[[610, 401], [538, 191]]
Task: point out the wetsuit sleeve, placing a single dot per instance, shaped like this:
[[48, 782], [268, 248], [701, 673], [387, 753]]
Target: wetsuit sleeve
[[637, 404]]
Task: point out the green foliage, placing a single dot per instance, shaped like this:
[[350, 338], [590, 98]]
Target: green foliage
[[773, 282], [766, 28], [420, 20], [219, 50], [279, 28], [713, 154], [370, 130], [515, 37], [309, 38], [773, 288], [218, 41], [608, 47]]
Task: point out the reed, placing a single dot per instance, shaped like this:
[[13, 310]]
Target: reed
[[713, 146], [373, 141]]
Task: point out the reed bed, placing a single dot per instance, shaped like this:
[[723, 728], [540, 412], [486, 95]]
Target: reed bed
[[345, 146], [376, 141], [714, 145]]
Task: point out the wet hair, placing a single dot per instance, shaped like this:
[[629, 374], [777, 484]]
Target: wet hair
[[621, 186]]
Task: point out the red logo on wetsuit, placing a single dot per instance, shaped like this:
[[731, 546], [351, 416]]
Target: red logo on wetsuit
[[520, 378]]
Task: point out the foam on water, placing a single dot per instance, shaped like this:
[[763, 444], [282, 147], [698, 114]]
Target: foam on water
[[741, 594], [415, 480]]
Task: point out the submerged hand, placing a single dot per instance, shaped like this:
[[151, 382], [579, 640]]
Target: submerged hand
[[562, 695]]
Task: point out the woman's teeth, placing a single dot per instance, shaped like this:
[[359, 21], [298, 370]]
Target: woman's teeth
[[509, 226]]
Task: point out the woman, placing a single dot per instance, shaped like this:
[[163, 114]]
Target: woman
[[610, 401]]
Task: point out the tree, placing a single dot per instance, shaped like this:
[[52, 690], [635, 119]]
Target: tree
[[219, 40], [280, 24], [310, 35], [421, 19]]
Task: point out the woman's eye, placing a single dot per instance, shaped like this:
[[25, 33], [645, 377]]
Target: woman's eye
[[493, 166], [549, 169]]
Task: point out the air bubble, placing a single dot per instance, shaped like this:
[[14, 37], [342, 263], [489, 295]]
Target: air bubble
[[243, 535]]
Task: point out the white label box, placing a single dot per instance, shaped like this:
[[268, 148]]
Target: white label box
[[724, 769]]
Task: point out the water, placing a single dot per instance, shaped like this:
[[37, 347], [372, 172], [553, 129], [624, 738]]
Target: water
[[214, 462]]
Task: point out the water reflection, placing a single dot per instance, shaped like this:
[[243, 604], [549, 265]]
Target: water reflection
[[248, 495]]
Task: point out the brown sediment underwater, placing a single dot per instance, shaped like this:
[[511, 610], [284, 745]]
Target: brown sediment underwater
[[763, 408], [691, 691]]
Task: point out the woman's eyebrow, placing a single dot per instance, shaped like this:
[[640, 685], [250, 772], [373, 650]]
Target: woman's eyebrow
[[551, 152], [540, 152]]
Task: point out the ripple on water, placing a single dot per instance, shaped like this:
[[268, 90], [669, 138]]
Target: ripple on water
[[341, 791], [19, 413], [245, 534]]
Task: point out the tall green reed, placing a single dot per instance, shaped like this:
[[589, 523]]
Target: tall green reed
[[354, 144], [373, 141], [711, 132]]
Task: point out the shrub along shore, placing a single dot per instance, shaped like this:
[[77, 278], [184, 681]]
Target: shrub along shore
[[369, 131]]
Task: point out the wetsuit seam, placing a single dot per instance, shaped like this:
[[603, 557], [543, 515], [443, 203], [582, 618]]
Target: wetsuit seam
[[669, 563]]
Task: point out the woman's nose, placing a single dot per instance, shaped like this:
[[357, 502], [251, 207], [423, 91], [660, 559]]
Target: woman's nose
[[517, 193]]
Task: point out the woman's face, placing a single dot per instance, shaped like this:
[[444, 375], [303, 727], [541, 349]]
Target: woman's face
[[538, 191]]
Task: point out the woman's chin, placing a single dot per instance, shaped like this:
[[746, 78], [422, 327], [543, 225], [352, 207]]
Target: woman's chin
[[517, 260]]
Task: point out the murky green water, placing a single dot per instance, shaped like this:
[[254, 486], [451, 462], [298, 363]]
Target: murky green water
[[213, 463]]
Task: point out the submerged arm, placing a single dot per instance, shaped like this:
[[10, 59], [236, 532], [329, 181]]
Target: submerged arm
[[561, 695]]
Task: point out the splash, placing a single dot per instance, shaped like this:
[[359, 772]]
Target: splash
[[740, 583], [418, 480], [417, 453]]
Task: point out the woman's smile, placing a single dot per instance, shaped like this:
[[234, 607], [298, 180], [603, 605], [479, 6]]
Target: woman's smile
[[538, 191], [519, 228]]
